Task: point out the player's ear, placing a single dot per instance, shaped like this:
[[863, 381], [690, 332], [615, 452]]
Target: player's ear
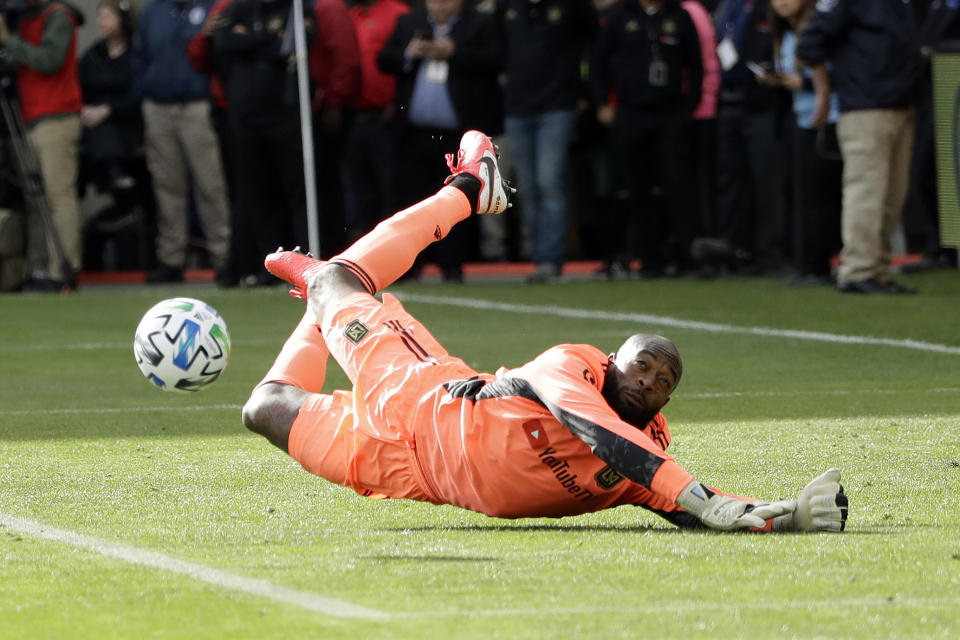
[[611, 357]]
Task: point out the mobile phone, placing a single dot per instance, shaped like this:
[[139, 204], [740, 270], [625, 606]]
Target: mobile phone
[[756, 69]]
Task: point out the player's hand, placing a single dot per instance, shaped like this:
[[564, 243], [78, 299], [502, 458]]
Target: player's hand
[[727, 513], [822, 504]]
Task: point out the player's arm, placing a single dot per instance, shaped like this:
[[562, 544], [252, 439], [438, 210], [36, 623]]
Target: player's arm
[[821, 506], [568, 379]]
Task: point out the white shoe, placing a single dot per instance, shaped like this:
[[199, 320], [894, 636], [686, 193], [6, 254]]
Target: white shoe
[[478, 157]]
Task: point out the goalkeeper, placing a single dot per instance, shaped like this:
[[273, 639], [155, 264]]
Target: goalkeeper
[[573, 431]]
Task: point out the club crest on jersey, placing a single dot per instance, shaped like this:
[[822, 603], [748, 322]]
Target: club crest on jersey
[[356, 331], [607, 478]]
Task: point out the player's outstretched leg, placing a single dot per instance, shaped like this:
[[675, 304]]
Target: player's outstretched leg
[[389, 250]]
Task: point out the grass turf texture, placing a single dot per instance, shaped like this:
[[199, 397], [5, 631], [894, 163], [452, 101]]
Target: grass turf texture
[[86, 445]]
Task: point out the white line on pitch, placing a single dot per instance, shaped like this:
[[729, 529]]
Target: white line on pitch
[[154, 560], [692, 396], [32, 412], [681, 607], [667, 321], [105, 346]]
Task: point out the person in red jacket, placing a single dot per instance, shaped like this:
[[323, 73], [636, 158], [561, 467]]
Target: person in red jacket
[[368, 159], [44, 51], [573, 431]]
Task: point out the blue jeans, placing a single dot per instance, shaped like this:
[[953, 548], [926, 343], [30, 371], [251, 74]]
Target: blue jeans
[[538, 145]]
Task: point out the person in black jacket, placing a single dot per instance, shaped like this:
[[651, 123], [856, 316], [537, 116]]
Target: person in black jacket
[[264, 119], [873, 46], [648, 54], [545, 42], [446, 60], [111, 142], [112, 125], [750, 171]]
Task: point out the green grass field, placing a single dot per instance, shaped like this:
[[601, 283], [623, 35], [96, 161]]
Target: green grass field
[[126, 512]]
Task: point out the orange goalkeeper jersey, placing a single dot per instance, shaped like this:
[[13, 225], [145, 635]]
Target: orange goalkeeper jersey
[[540, 440]]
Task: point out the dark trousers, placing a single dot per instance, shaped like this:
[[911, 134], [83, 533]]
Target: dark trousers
[[420, 170], [368, 173], [749, 215], [271, 200], [818, 199], [655, 213], [328, 157]]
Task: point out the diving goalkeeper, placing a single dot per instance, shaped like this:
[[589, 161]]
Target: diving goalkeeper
[[574, 430]]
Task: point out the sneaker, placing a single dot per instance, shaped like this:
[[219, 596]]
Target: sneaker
[[543, 274], [865, 286], [45, 284], [478, 157], [164, 273], [293, 267]]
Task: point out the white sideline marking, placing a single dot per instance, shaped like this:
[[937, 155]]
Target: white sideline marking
[[146, 558], [692, 396], [682, 607], [645, 318]]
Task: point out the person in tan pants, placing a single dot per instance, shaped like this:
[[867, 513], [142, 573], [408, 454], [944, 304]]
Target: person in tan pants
[[873, 48], [180, 138], [44, 50]]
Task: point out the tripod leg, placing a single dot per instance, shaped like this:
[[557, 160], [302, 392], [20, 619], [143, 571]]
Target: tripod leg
[[31, 178]]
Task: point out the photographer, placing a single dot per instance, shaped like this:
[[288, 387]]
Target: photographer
[[44, 53]]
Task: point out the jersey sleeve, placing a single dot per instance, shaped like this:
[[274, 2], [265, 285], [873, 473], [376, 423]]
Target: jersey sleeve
[[567, 380]]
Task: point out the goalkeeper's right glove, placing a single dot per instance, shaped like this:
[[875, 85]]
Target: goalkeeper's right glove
[[821, 506], [728, 513]]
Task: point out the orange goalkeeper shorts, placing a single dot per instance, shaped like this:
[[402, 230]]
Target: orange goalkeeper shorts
[[364, 438]]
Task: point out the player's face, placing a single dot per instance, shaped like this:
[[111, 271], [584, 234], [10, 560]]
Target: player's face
[[638, 384]]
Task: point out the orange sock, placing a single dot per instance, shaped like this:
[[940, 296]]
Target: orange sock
[[387, 252], [303, 359]]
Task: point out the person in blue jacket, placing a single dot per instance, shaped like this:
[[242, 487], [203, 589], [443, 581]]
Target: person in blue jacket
[[873, 46], [179, 134]]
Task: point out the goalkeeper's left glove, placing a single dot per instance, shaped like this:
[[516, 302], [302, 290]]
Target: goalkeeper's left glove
[[728, 513], [821, 506]]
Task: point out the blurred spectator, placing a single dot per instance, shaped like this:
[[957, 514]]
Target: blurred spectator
[[873, 46], [179, 135], [44, 50], [368, 160], [201, 59], [649, 54], [336, 71], [545, 42], [942, 25], [703, 150], [749, 166], [817, 164], [264, 123], [111, 145], [446, 60]]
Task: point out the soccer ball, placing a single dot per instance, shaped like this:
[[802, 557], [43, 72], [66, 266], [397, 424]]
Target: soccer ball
[[182, 344]]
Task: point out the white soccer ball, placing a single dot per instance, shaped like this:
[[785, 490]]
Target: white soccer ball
[[182, 344]]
